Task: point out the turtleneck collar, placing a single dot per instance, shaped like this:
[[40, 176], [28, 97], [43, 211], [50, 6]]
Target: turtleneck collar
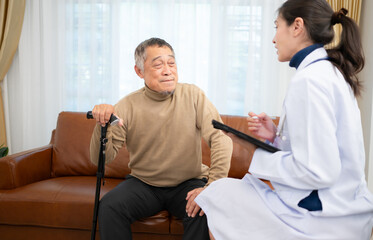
[[302, 54], [157, 96]]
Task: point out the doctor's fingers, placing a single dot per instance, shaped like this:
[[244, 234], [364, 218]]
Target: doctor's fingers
[[254, 124], [264, 116], [252, 114], [260, 116]]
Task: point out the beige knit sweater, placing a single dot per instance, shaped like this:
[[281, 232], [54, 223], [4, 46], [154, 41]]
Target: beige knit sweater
[[163, 136]]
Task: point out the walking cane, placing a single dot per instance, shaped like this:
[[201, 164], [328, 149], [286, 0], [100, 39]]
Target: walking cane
[[100, 169]]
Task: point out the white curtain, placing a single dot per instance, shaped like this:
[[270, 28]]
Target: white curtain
[[74, 54]]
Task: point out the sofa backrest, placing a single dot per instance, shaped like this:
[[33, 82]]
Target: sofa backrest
[[71, 140]]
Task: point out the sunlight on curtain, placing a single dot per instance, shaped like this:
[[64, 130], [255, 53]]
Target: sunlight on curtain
[[224, 47], [11, 19], [35, 80], [74, 54]]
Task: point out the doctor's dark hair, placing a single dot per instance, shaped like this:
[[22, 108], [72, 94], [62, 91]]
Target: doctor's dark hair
[[319, 19], [140, 53]]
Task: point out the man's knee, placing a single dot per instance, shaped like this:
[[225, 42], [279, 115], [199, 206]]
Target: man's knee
[[105, 208], [195, 228], [112, 209]]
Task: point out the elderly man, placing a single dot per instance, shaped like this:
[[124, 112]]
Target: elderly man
[[161, 126]]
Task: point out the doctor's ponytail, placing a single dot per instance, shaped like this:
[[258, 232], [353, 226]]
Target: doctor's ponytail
[[319, 19], [348, 55]]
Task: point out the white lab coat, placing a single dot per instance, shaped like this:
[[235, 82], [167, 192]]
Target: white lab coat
[[322, 148]]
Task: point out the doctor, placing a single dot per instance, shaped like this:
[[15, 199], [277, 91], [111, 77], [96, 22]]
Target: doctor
[[319, 185]]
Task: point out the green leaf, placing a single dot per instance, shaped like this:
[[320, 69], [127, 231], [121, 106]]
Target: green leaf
[[3, 151]]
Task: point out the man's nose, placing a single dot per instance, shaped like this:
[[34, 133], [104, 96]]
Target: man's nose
[[166, 70]]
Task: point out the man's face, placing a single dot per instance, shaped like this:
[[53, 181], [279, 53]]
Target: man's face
[[160, 71]]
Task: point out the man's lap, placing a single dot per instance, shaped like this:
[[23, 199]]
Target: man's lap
[[138, 199]]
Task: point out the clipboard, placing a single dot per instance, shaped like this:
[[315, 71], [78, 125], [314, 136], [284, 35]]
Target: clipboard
[[256, 142]]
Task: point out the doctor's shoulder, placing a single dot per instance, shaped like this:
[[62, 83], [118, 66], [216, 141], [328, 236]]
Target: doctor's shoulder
[[322, 74]]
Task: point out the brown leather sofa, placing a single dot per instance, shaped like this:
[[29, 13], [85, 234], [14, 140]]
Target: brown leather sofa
[[48, 192]]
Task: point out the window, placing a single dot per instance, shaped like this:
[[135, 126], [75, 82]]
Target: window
[[219, 46]]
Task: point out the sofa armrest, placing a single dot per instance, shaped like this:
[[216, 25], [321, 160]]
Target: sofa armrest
[[26, 167]]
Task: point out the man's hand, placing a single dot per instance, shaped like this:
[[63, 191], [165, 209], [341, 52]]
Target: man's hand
[[102, 113], [192, 208]]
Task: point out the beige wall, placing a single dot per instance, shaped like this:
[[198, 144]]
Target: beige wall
[[366, 101]]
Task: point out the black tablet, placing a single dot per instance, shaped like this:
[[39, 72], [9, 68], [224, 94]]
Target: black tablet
[[256, 142]]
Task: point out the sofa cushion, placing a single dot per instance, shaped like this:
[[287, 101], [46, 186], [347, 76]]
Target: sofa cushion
[[64, 202], [52, 203], [71, 149]]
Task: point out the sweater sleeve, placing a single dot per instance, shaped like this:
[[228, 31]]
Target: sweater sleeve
[[115, 135], [220, 144]]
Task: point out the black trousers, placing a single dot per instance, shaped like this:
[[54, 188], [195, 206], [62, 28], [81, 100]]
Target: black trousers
[[133, 199]]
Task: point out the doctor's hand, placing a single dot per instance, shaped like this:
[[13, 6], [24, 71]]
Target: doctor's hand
[[102, 113], [261, 126], [192, 208]]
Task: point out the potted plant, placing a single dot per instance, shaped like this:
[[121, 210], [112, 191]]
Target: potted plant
[[3, 151]]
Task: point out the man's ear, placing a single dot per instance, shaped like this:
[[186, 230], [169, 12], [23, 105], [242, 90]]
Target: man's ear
[[298, 26], [139, 72]]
